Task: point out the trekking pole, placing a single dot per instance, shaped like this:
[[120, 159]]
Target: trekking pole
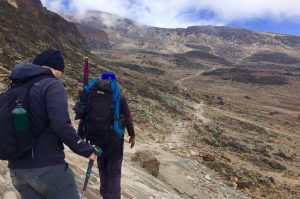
[[86, 72], [85, 81], [98, 152]]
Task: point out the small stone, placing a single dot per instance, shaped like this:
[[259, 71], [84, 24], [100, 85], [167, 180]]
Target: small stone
[[244, 184], [10, 195], [268, 181], [271, 179], [194, 153], [234, 181], [207, 177], [207, 156]]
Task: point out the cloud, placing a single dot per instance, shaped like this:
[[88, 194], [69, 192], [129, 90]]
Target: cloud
[[54, 5], [183, 13]]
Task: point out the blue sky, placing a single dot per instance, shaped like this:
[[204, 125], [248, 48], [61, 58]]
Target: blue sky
[[279, 16], [269, 25]]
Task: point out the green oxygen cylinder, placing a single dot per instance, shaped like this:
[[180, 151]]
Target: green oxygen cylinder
[[21, 128]]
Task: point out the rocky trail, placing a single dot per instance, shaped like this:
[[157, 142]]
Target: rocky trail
[[179, 176], [165, 168]]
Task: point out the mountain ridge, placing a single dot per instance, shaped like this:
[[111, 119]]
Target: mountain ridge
[[233, 44]]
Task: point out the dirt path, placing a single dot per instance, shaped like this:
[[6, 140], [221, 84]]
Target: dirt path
[[192, 76], [199, 112], [179, 82], [180, 176], [198, 108]]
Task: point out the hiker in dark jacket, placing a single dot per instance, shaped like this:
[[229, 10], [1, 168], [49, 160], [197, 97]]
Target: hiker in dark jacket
[[43, 172], [110, 162]]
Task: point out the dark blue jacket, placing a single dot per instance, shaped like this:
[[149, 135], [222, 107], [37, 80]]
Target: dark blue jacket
[[48, 108]]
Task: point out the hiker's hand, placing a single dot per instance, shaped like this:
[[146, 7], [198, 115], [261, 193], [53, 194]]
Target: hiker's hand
[[93, 157], [132, 141]]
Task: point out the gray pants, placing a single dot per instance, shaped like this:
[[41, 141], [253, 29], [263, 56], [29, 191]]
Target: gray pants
[[52, 182]]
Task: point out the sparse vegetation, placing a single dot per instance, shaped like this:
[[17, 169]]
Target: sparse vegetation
[[274, 57], [247, 76], [138, 68], [283, 155], [249, 107]]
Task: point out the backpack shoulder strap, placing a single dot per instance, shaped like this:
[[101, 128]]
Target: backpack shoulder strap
[[90, 84], [116, 111], [30, 81], [28, 84]]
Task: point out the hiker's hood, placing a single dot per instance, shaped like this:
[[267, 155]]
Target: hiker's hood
[[23, 72]]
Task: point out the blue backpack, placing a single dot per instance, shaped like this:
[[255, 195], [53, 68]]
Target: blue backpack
[[99, 105]]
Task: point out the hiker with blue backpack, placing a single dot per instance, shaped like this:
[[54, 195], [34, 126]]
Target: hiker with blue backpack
[[35, 125], [104, 114]]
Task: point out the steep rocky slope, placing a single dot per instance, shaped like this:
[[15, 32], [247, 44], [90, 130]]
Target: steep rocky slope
[[26, 28], [96, 38], [246, 116]]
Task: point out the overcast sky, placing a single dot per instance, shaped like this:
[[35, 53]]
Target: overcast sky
[[281, 16]]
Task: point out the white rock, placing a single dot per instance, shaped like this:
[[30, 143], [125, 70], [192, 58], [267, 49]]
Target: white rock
[[10, 195], [13, 3], [207, 177], [194, 153]]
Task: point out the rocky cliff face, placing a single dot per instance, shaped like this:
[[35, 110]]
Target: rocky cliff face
[[96, 38], [26, 28]]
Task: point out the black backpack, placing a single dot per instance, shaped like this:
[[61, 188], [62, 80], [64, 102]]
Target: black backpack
[[10, 148], [96, 111]]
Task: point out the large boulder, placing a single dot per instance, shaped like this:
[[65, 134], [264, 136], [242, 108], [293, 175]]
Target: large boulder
[[147, 161]]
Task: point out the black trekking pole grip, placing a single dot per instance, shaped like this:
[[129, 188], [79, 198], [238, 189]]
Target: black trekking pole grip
[[97, 151]]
